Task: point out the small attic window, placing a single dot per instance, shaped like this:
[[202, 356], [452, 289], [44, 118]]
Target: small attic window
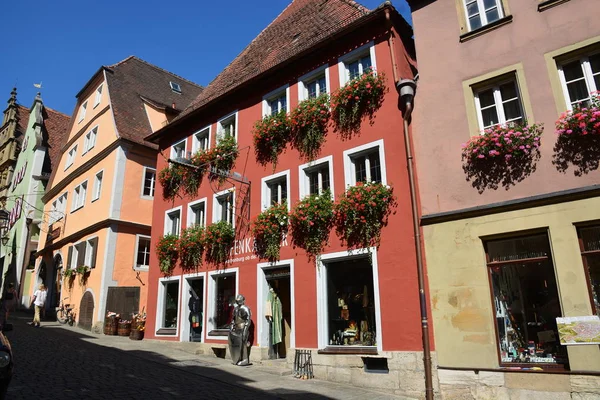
[[175, 87]]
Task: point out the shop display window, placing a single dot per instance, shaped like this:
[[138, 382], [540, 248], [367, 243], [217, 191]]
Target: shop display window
[[225, 298], [171, 304], [526, 301], [589, 242], [351, 303]]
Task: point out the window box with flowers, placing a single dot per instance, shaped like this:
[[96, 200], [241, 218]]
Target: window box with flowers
[[360, 98], [218, 240], [269, 230], [167, 250], [502, 155], [309, 126], [69, 275], [311, 221], [84, 273], [222, 157], [171, 178], [192, 176], [191, 247], [362, 212], [270, 136], [578, 142]]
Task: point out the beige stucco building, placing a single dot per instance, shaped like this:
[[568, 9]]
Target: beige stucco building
[[510, 246]]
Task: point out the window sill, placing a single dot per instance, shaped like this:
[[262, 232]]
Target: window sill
[[218, 333], [93, 200], [167, 332], [485, 29], [96, 105], [352, 350], [75, 209], [143, 197], [143, 268], [544, 5]]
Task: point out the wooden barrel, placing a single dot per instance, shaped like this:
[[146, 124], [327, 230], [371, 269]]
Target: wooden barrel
[[110, 326], [124, 329], [136, 335]]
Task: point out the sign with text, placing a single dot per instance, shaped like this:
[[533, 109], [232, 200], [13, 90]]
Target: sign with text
[[579, 330]]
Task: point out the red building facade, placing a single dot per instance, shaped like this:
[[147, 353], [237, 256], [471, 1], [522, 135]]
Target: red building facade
[[309, 49]]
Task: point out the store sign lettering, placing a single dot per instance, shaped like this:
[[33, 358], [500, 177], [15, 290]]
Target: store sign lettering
[[15, 213], [241, 249], [19, 176]]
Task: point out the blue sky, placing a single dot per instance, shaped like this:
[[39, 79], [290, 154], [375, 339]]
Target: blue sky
[[62, 43]]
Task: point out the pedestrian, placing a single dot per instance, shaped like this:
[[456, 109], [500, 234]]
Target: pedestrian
[[39, 300], [11, 299]]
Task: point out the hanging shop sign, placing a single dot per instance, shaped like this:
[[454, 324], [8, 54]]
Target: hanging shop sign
[[15, 213], [579, 330], [19, 175]]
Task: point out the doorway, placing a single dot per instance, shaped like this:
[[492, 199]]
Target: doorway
[[193, 304]]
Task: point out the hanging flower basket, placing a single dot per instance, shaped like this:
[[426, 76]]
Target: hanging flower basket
[[309, 126], [171, 179], [578, 142], [223, 156], [358, 99], [218, 240], [192, 177], [167, 250], [269, 230], [191, 247], [362, 212], [502, 155], [311, 221], [270, 136]]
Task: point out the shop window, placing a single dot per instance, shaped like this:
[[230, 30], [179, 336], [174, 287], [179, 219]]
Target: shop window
[[589, 242], [351, 303], [525, 299], [170, 304], [224, 299]]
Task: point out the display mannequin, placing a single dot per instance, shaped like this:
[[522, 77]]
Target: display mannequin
[[274, 315], [239, 331]]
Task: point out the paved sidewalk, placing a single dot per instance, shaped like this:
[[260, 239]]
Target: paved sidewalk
[[182, 356]]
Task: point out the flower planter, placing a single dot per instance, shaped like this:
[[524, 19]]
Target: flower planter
[[218, 240], [136, 334], [191, 247], [270, 136], [111, 326], [269, 229], [124, 328], [167, 250], [308, 124], [311, 221]]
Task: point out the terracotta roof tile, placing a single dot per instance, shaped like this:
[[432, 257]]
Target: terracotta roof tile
[[23, 114], [57, 128], [300, 26]]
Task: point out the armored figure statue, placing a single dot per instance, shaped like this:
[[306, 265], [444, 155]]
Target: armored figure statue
[[239, 345]]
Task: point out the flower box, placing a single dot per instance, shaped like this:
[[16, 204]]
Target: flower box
[[270, 136], [311, 221], [218, 240], [269, 230], [191, 247], [308, 124], [167, 250]]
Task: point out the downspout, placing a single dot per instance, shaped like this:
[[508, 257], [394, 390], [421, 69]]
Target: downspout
[[406, 89]]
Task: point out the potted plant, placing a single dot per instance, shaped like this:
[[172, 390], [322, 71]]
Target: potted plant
[[578, 142], [191, 247], [138, 326], [270, 136], [218, 240], [309, 126], [167, 250], [311, 221], [362, 212], [269, 230], [360, 98], [171, 178]]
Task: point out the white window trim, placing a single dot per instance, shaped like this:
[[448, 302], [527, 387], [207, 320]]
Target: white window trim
[[160, 303], [220, 127], [142, 195], [266, 109], [482, 16], [98, 92], [349, 173], [71, 159], [190, 219], [75, 254], [76, 197], [265, 198], [185, 316], [137, 244], [303, 181], [303, 91], [216, 205], [498, 102], [210, 311], [352, 56], [96, 196], [82, 111], [262, 289], [167, 220], [587, 75], [322, 306], [174, 154], [86, 141], [196, 142], [87, 259]]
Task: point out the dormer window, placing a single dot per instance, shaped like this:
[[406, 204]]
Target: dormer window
[[175, 87]]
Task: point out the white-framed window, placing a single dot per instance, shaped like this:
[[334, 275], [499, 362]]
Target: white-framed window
[[316, 177], [356, 63], [175, 87], [222, 288], [83, 253], [178, 150], [196, 213], [142, 252], [277, 101], [314, 83], [71, 157], [275, 189], [580, 78], [97, 185], [91, 249], [167, 310], [173, 221], [79, 194], [59, 206], [149, 182], [227, 126], [365, 163], [499, 103], [98, 97], [201, 140], [82, 111], [89, 140], [224, 206], [482, 12]]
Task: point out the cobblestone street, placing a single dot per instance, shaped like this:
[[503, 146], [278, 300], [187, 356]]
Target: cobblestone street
[[56, 362]]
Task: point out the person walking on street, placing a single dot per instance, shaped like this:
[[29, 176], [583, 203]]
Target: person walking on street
[[39, 300]]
